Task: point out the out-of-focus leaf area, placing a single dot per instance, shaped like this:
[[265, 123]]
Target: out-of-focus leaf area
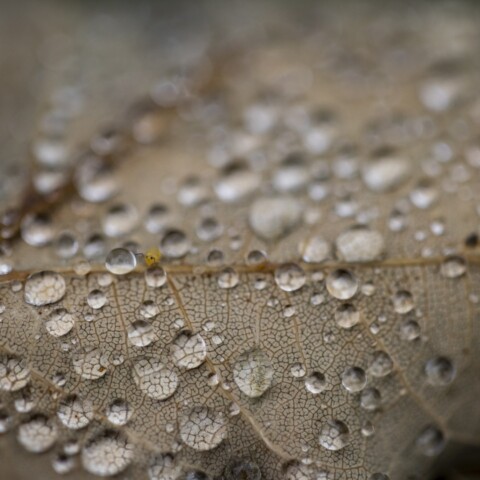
[[239, 240]]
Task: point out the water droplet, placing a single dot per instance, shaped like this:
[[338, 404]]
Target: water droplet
[[381, 364], [75, 413], [237, 182], [163, 467], [38, 434], [154, 378], [386, 174], [119, 412], [228, 278], [107, 454], [209, 229], [120, 261], [90, 365], [120, 220], [44, 288], [253, 373], [273, 218], [334, 435], [96, 299], [298, 370], [95, 180], [354, 379], [440, 371], [63, 464], [141, 333], [360, 244], [14, 373], [175, 244], [403, 302], [430, 441], [342, 284], [453, 267], [314, 249], [155, 277], [66, 245], [379, 476], [410, 330], [149, 309], [346, 315], [157, 219], [370, 399], [59, 322], [316, 383], [423, 195], [37, 230], [290, 277], [189, 350], [202, 428]]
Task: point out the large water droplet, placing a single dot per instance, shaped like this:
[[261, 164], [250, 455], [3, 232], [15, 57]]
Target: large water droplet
[[253, 373], [354, 379], [75, 413], [141, 333], [189, 350], [272, 218], [119, 412], [44, 288], [154, 378], [14, 373], [314, 249], [334, 435], [107, 454], [386, 174], [96, 299], [228, 278], [440, 371], [316, 383], [342, 284], [59, 322], [360, 244], [175, 244], [90, 365], [202, 428], [38, 434], [155, 277], [347, 316], [290, 277], [453, 267], [120, 261]]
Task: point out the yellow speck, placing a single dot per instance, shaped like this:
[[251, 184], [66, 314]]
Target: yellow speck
[[152, 256]]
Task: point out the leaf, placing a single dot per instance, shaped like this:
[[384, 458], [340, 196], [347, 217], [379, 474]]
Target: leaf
[[268, 269]]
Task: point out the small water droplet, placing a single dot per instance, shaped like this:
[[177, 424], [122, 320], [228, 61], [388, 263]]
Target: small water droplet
[[290, 277], [342, 284], [120, 261], [334, 435]]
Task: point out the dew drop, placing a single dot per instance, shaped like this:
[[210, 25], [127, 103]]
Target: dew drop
[[440, 371], [175, 244], [120, 261], [119, 412], [43, 288], [107, 454], [316, 383], [430, 442], [403, 302], [75, 413], [273, 218], [203, 429], [381, 365], [236, 183], [96, 299], [453, 267], [38, 434], [189, 350], [253, 373], [290, 277], [14, 373], [90, 365], [120, 220], [59, 322], [37, 230], [154, 378], [370, 399], [314, 249], [342, 284], [354, 379], [346, 315], [360, 244], [141, 333], [155, 277], [334, 435], [228, 278], [386, 174]]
